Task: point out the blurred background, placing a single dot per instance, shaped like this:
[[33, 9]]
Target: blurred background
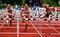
[[55, 3]]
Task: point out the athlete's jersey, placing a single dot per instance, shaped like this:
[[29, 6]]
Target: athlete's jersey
[[48, 10], [26, 12]]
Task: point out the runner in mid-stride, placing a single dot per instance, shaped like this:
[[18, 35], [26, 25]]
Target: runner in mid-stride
[[25, 14], [9, 14], [47, 12]]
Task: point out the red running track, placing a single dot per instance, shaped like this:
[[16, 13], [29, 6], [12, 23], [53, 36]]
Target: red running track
[[35, 29]]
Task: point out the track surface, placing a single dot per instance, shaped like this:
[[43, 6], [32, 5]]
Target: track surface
[[35, 29]]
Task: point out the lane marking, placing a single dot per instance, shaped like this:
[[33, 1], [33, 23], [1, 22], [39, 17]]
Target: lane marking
[[32, 27], [36, 29], [17, 27], [27, 33], [52, 28], [2, 25]]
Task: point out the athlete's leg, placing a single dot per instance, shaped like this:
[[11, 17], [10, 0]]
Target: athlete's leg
[[42, 16], [26, 24], [7, 21], [49, 17], [23, 20], [10, 22]]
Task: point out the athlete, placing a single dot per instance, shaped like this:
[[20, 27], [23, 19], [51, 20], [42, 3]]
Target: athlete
[[47, 12], [25, 14], [9, 14]]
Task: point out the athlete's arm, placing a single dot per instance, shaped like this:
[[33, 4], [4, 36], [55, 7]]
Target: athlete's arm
[[45, 11], [29, 10], [7, 16]]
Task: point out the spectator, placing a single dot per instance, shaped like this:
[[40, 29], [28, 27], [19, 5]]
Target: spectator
[[33, 2], [30, 2], [34, 7], [4, 6], [16, 6]]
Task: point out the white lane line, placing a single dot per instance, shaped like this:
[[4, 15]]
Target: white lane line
[[55, 33], [44, 24], [17, 18], [32, 27], [38, 23], [27, 33], [52, 28], [15, 33], [2, 25], [36, 29], [17, 27]]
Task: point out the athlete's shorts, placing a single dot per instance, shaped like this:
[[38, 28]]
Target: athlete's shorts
[[26, 16], [47, 15], [10, 11], [8, 17]]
